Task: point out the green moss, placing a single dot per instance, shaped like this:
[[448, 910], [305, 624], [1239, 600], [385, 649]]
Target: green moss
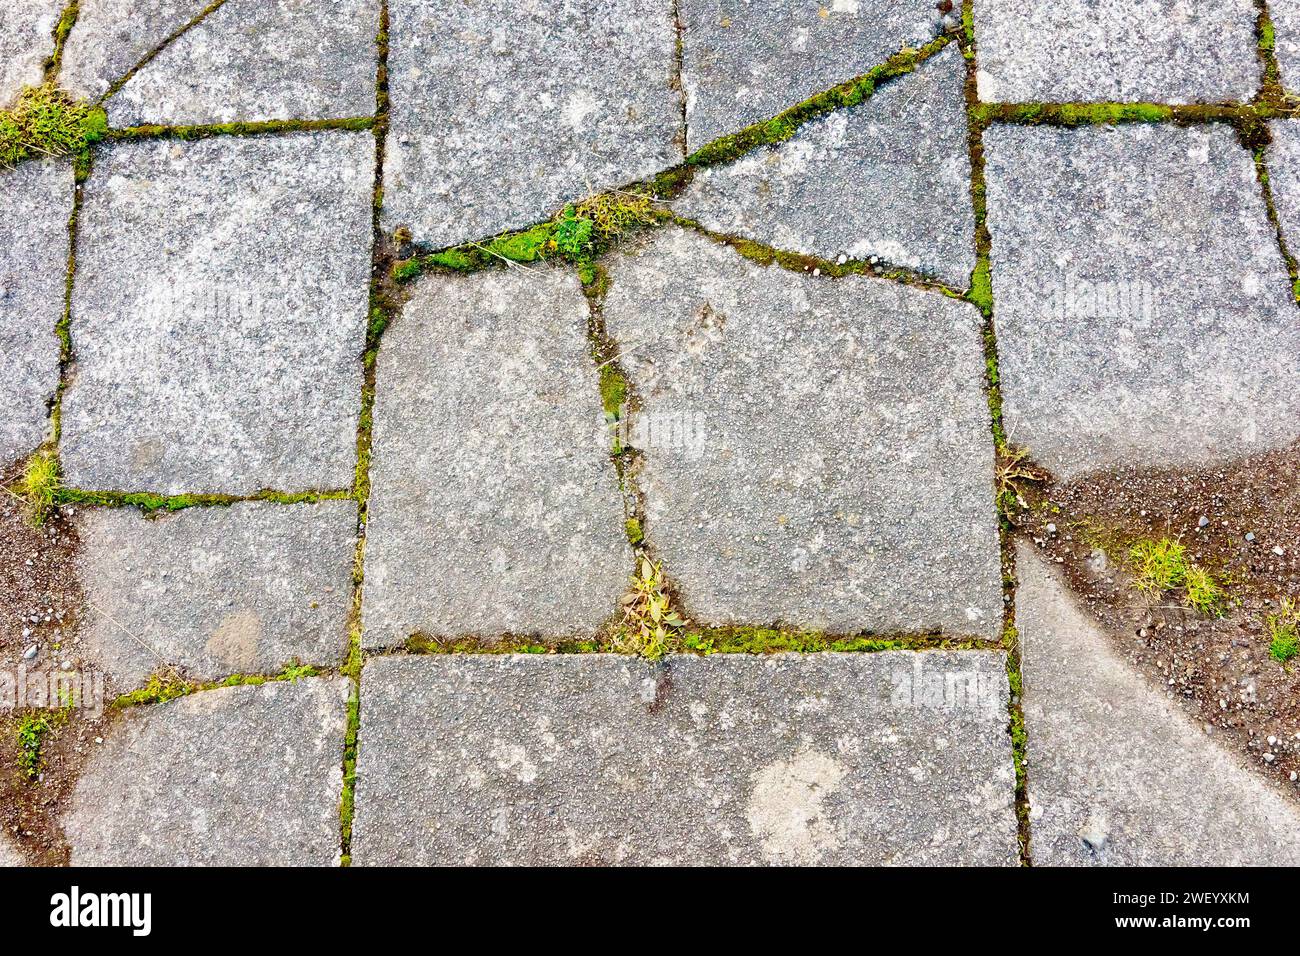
[[455, 259], [784, 125], [613, 389], [981, 286], [31, 733], [46, 121], [149, 502], [634, 533], [268, 127]]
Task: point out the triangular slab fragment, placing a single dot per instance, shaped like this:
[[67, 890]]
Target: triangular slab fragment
[[889, 178]]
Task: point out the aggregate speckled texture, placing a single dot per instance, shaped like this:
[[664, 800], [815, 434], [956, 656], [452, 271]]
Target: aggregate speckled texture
[[1119, 776], [217, 591], [311, 61], [495, 508], [1144, 310], [26, 40], [9, 855], [219, 315], [888, 178], [888, 758], [1283, 157], [1166, 51], [505, 110], [744, 62], [111, 37], [238, 776], [1285, 15], [35, 202], [816, 451]]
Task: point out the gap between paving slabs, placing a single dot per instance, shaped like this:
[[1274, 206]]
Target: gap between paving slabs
[[524, 246]]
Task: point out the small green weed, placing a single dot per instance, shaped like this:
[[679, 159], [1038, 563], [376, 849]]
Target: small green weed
[[40, 485], [649, 624], [1284, 631], [1162, 565]]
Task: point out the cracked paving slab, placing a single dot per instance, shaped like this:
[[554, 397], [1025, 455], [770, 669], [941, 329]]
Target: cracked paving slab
[[1286, 41], [215, 591], [1144, 310], [35, 202], [1119, 775], [26, 40], [745, 62], [1184, 51], [111, 36], [896, 757], [219, 315], [504, 110], [311, 61], [495, 508], [239, 776], [1283, 157], [816, 452], [888, 178]]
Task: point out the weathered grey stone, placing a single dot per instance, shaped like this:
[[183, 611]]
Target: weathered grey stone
[[898, 757], [888, 178], [816, 451], [1286, 40], [26, 40], [9, 855], [1188, 51], [1118, 775], [742, 63], [219, 314], [111, 37], [35, 202], [1284, 178], [504, 110], [494, 507], [1144, 311], [260, 60], [240, 776], [217, 591]]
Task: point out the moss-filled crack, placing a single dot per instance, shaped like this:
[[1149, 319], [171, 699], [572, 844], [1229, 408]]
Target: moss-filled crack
[[175, 35], [62, 27], [250, 128], [981, 295], [384, 305]]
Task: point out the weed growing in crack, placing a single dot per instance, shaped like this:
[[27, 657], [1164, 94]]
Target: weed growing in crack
[[46, 121], [31, 733], [40, 485], [650, 625], [1013, 472], [1162, 566], [1284, 631]]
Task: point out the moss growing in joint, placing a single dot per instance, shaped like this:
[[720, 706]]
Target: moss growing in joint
[[46, 121], [634, 533], [40, 486]]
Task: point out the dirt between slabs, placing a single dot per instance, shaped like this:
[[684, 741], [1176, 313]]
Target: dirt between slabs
[[40, 604], [1240, 522]]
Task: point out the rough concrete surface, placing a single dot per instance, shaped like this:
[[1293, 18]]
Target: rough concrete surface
[[26, 40], [240, 776], [311, 61], [889, 178], [1118, 774], [219, 314], [745, 62], [35, 202], [1285, 15], [816, 451], [1283, 157], [111, 37], [495, 506], [1144, 310], [217, 591], [1166, 51], [504, 110], [897, 757], [9, 855]]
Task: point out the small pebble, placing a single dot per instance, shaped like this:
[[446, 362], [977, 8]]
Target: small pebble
[[1278, 551], [1051, 528], [1203, 522], [1250, 536], [1269, 758], [30, 653]]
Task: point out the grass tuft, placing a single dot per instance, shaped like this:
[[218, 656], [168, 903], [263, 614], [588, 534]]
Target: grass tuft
[[40, 485], [1284, 632], [1162, 566], [46, 121]]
